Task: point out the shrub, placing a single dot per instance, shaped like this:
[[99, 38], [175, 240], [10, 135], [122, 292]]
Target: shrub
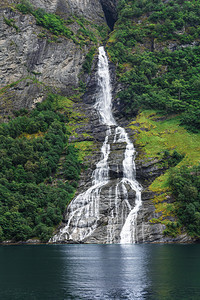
[[185, 186]]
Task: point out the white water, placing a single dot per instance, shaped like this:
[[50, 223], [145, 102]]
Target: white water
[[84, 211]]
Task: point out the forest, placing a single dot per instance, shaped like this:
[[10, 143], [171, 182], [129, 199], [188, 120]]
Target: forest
[[156, 48], [31, 146]]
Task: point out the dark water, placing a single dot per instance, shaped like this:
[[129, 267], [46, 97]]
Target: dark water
[[100, 272]]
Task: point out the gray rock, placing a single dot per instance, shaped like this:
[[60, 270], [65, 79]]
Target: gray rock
[[25, 56]]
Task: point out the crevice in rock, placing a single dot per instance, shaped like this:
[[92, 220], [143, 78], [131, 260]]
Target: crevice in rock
[[110, 11]]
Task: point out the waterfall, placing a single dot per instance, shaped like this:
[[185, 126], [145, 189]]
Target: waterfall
[[85, 212]]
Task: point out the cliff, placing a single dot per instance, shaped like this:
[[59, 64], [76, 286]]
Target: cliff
[[37, 60], [33, 59]]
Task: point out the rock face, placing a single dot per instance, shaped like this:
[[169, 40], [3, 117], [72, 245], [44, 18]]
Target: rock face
[[31, 60], [24, 53], [90, 9], [99, 217], [110, 11]]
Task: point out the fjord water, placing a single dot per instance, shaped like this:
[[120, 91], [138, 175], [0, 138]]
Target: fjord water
[[100, 272], [83, 213]]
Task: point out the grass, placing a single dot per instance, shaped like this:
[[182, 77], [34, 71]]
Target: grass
[[153, 136], [156, 136], [32, 136]]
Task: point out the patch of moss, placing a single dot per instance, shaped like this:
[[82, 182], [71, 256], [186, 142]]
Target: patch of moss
[[32, 136]]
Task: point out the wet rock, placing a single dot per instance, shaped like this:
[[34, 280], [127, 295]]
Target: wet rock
[[33, 241]]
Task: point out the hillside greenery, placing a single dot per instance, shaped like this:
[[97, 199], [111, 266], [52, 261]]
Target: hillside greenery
[[32, 199], [162, 139], [49, 21], [185, 186], [156, 47], [58, 26]]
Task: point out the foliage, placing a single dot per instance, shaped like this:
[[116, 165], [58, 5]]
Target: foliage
[[88, 60], [155, 45], [172, 229], [11, 22], [174, 159], [71, 164], [159, 136], [49, 21], [103, 31], [31, 146], [185, 186], [59, 26], [191, 119]]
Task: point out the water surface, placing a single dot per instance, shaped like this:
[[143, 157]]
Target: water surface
[[100, 272]]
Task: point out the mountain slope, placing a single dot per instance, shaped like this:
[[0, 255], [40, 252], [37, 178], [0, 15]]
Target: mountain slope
[[155, 45]]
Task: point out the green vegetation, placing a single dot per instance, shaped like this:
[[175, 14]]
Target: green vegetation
[[173, 159], [49, 21], [155, 45], [88, 60], [58, 26], [163, 138], [84, 33], [185, 186], [11, 22], [160, 137], [103, 31], [31, 145]]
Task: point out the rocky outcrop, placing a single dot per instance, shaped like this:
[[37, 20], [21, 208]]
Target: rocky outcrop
[[31, 60], [89, 9], [110, 11], [26, 54]]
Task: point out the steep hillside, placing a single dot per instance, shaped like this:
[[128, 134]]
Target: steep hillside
[[50, 137], [40, 49], [47, 49], [155, 45]]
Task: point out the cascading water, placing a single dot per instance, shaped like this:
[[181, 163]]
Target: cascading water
[[106, 208]]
